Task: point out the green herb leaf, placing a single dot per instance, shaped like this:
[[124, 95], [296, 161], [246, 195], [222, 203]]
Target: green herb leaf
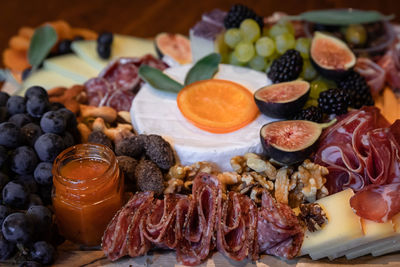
[[43, 40], [204, 69], [158, 79], [342, 16]]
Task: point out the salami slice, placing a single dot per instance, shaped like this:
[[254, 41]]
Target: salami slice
[[151, 61], [161, 217], [114, 242], [97, 89], [237, 227], [199, 227], [174, 230], [122, 75], [279, 231], [120, 100]]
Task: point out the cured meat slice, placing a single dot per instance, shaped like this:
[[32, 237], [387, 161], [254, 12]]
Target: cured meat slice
[[174, 230], [390, 62], [136, 243], [162, 216], [122, 74], [97, 89], [151, 61], [279, 231], [199, 227], [237, 227], [115, 240], [377, 203], [120, 100], [374, 74]]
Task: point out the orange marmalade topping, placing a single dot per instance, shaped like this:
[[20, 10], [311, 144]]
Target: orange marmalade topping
[[87, 193]]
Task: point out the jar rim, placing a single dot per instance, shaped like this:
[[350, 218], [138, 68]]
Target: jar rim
[[76, 183]]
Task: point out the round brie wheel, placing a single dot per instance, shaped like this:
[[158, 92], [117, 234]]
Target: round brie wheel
[[156, 112]]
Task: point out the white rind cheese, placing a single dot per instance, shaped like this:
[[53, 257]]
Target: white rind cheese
[[156, 112], [72, 67], [342, 228]]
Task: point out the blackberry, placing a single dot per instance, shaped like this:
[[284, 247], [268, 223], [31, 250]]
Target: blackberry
[[238, 13], [358, 90], [310, 114], [333, 101], [286, 68]]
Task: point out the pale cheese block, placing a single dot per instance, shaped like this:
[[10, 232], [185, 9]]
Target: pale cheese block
[[385, 241], [122, 46], [71, 66], [373, 232], [342, 228], [47, 79], [394, 245], [156, 112]]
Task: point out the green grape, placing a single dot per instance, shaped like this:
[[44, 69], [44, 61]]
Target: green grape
[[250, 30], [311, 102], [308, 72], [288, 25], [276, 30], [317, 87], [284, 42], [244, 51], [356, 34], [258, 63], [303, 46], [265, 46], [232, 37], [232, 59]]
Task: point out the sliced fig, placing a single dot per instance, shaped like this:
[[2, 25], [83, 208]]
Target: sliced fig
[[282, 100], [290, 142], [175, 46], [331, 56]]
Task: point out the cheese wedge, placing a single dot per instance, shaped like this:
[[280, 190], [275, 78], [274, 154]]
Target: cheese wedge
[[342, 228], [47, 79], [380, 244], [71, 66], [392, 246], [373, 232], [122, 46]]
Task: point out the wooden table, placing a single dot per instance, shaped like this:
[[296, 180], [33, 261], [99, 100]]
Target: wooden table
[[147, 18]]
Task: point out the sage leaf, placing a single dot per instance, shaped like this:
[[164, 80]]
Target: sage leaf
[[342, 16], [43, 40], [157, 79], [204, 69]]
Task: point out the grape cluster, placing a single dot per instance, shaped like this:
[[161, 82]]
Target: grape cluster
[[259, 48], [33, 132]]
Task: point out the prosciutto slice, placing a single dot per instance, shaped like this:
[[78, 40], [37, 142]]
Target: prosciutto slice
[[279, 231], [361, 152], [390, 62], [198, 231], [237, 228], [374, 74]]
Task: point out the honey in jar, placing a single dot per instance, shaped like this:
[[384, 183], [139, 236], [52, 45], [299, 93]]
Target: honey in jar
[[87, 192]]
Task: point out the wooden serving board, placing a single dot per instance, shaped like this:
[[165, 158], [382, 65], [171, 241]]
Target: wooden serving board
[[69, 256]]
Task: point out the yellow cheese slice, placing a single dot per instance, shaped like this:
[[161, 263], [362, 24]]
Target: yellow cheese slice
[[71, 66], [47, 79], [342, 228], [122, 46], [373, 232]]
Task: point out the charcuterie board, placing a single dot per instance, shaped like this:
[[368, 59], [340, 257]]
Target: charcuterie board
[[254, 141]]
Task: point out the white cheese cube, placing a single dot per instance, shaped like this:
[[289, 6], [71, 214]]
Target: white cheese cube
[[342, 228], [71, 66]]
